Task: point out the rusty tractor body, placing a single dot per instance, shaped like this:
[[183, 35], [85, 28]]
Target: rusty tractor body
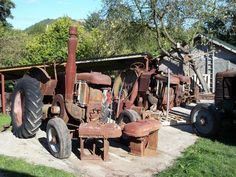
[[69, 99], [142, 91], [206, 118], [78, 106]]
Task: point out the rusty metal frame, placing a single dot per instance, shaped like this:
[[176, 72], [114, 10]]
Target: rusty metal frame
[[3, 98]]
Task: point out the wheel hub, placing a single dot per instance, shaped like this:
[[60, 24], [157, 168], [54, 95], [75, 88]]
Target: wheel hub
[[18, 108], [202, 120]]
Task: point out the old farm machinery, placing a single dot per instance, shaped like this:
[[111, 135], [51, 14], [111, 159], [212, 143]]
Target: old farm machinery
[[77, 105], [206, 118], [140, 91]]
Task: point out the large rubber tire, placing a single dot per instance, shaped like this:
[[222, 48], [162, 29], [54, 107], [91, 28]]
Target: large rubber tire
[[128, 116], [205, 120], [26, 108], [58, 138]]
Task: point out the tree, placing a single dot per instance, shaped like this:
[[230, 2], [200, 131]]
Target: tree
[[51, 46], [12, 46], [224, 28], [5, 11], [93, 21], [173, 24]]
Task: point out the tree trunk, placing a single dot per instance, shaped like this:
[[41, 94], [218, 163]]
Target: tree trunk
[[200, 77]]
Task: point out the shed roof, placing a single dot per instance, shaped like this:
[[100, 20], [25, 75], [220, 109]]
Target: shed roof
[[218, 42]]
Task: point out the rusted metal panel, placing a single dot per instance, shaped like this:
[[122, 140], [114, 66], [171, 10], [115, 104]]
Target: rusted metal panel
[[3, 98], [184, 79], [49, 87], [173, 79], [70, 65], [172, 97], [95, 78], [144, 82], [58, 100]]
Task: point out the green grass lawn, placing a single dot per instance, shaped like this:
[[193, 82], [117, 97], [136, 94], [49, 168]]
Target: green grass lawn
[[4, 120], [12, 167], [207, 157]]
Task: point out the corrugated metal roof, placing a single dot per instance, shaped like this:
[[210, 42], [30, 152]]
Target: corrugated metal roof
[[97, 64], [219, 42]]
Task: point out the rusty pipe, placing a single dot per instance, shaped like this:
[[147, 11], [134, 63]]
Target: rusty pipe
[[71, 65], [3, 94]]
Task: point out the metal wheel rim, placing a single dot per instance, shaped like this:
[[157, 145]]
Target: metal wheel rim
[[53, 140], [19, 104], [203, 121]]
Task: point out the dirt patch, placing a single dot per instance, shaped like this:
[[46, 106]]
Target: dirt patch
[[172, 141]]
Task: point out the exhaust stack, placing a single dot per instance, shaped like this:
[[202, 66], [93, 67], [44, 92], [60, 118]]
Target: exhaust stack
[[70, 74]]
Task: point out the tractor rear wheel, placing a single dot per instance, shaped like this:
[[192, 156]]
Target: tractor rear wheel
[[204, 120], [26, 108], [58, 138]]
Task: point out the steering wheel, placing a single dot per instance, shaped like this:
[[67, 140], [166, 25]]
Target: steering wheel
[[140, 65]]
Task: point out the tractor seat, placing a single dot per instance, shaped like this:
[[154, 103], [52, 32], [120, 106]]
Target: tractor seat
[[143, 136], [141, 128]]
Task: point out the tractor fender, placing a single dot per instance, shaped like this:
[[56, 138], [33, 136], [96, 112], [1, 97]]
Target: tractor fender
[[39, 74]]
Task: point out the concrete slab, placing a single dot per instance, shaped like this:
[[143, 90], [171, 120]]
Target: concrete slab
[[172, 141]]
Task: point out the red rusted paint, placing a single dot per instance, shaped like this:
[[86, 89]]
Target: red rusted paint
[[3, 94], [71, 65], [18, 108], [143, 136], [58, 100], [144, 81], [49, 87], [184, 79], [141, 128], [173, 79], [95, 78], [99, 130]]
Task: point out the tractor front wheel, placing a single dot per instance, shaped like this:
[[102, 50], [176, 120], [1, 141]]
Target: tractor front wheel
[[205, 120], [58, 138]]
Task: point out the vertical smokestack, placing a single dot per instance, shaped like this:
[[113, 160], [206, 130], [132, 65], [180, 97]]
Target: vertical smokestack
[[71, 65]]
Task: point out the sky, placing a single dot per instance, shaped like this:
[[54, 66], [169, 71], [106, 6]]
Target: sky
[[29, 12]]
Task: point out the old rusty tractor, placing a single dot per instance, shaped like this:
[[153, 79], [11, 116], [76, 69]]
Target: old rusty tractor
[[68, 98], [206, 118], [142, 90]]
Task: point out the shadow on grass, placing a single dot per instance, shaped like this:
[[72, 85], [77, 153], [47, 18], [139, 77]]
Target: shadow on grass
[[227, 133], [9, 173]]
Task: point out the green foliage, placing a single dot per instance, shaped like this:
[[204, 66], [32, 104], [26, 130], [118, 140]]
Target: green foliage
[[12, 46], [51, 46], [5, 11], [157, 24], [93, 21], [39, 27], [16, 167], [223, 28]]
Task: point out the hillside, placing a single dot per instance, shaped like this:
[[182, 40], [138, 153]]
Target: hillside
[[39, 27]]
